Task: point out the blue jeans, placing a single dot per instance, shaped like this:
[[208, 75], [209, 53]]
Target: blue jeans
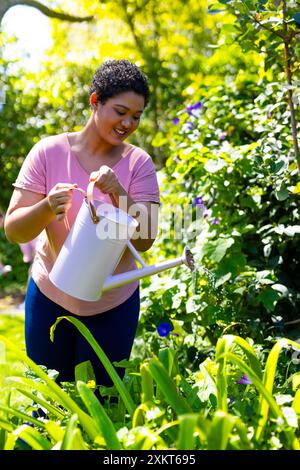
[[114, 330]]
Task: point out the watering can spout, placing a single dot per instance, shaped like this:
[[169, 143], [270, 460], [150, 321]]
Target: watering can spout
[[122, 279]]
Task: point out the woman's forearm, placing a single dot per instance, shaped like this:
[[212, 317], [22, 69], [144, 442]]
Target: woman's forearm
[[26, 223]]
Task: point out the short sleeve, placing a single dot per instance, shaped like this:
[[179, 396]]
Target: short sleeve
[[32, 175], [144, 186]]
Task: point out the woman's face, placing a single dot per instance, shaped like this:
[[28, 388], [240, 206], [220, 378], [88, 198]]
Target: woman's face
[[119, 116]]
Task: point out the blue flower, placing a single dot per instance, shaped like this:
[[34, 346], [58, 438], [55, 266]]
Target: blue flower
[[176, 121], [164, 329], [199, 201], [194, 107], [190, 125], [244, 380], [215, 221]]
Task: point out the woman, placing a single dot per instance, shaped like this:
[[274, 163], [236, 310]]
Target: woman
[[44, 201]]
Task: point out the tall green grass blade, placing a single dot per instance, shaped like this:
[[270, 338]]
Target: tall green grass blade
[[54, 430], [23, 416], [257, 383], [169, 359], [138, 418], [51, 408], [72, 439], [268, 381], [128, 402], [23, 383], [223, 346], [6, 425], [296, 402], [10, 441], [267, 396], [187, 429], [146, 384], [33, 438], [168, 388], [61, 396], [101, 419], [220, 431]]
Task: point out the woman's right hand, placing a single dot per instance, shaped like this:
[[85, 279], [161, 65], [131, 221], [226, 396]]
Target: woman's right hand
[[60, 199]]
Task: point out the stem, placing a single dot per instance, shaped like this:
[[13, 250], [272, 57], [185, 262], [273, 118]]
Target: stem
[[287, 57]]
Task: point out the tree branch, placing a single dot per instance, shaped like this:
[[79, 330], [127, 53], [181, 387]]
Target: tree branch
[[5, 5], [266, 27], [288, 71]]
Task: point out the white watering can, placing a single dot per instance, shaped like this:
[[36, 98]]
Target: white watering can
[[93, 249]]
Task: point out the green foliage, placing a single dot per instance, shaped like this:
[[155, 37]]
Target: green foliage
[[171, 418]]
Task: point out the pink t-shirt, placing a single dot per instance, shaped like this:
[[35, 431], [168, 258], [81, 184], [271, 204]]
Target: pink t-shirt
[[52, 161]]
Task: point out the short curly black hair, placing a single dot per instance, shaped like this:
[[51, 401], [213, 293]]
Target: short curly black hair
[[118, 76]]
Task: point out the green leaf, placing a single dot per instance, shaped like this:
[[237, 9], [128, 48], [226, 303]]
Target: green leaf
[[85, 372], [221, 280], [146, 384], [220, 431], [101, 419], [168, 387], [128, 402], [282, 194], [277, 167], [269, 298], [187, 428], [72, 439], [51, 389], [268, 381], [33, 438], [216, 250], [55, 431]]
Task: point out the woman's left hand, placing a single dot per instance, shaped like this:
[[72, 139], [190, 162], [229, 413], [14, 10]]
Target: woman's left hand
[[106, 180]]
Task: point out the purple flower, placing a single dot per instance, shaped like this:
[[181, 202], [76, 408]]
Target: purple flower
[[244, 380], [193, 107], [215, 221], [190, 125], [269, 115], [222, 137], [199, 201], [164, 329], [176, 121]]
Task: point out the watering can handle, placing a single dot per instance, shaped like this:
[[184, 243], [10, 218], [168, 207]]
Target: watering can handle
[[95, 218], [90, 200]]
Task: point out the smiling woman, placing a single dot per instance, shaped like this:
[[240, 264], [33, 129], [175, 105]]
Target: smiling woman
[[33, 36], [43, 199]]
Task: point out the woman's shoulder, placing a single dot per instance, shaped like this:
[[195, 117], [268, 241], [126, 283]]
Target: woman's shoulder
[[137, 155], [51, 142]]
